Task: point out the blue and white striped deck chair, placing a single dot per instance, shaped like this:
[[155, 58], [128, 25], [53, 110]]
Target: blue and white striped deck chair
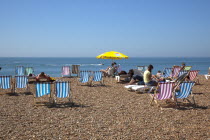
[[65, 71], [29, 70], [182, 72], [42, 89], [19, 70], [62, 90], [85, 77], [6, 82], [21, 82], [97, 77], [185, 90], [167, 72]]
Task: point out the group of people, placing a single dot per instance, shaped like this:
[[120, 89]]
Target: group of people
[[111, 70]]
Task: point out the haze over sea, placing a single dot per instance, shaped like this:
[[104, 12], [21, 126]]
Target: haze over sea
[[52, 66]]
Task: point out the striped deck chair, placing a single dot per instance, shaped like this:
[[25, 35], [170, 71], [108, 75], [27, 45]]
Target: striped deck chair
[[187, 67], [76, 70], [21, 82], [185, 90], [62, 90], [182, 72], [207, 75], [6, 82], [19, 70], [29, 70], [175, 71], [97, 77], [65, 71], [163, 91], [42, 89], [167, 72], [193, 75], [85, 77]]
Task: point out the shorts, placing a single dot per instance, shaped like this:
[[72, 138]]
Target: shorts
[[137, 77], [151, 83]]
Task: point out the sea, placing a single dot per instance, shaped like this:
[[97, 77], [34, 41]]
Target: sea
[[52, 65]]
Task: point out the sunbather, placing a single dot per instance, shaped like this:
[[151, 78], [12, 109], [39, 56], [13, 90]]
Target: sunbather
[[42, 75]]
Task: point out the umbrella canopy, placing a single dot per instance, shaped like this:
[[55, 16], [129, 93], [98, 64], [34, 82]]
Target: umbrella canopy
[[112, 55]]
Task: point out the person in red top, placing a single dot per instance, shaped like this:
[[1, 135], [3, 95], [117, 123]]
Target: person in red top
[[42, 75]]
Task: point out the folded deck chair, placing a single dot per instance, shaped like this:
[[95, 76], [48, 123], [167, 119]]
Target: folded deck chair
[[187, 67], [85, 77], [184, 91], [62, 90], [42, 89], [21, 82], [76, 70], [19, 70], [97, 76], [6, 82], [167, 72], [207, 75], [29, 70], [163, 91], [65, 71]]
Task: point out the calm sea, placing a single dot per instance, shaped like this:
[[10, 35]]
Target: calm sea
[[52, 66]]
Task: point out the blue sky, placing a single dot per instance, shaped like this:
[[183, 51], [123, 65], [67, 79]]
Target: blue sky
[[87, 28]]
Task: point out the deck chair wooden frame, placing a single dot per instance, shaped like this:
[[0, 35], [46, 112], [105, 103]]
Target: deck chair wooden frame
[[21, 82], [43, 89], [62, 89], [6, 83], [66, 71]]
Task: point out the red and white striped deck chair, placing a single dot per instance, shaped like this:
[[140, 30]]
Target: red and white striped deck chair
[[175, 71], [164, 91], [65, 71], [193, 75]]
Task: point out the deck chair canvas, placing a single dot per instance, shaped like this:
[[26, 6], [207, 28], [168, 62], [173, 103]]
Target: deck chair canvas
[[65, 71], [19, 70], [207, 75], [21, 82], [29, 70], [167, 72], [62, 90], [163, 92], [187, 67], [42, 89], [76, 70], [175, 71], [193, 75], [185, 90], [97, 76], [85, 77], [6, 83]]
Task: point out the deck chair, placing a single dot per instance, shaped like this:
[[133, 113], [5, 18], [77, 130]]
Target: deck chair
[[167, 72], [65, 71], [84, 77], [21, 82], [182, 72], [6, 82], [175, 71], [29, 70], [163, 91], [207, 75], [76, 70], [97, 76], [142, 68], [62, 90], [193, 75], [42, 89], [19, 70], [184, 91], [187, 67]]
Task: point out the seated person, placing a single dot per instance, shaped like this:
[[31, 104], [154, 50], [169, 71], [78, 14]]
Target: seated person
[[42, 75], [136, 78], [148, 77], [107, 72]]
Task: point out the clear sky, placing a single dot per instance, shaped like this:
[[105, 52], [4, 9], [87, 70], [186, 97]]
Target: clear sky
[[87, 28]]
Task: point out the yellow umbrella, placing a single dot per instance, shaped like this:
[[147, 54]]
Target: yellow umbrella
[[112, 55]]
